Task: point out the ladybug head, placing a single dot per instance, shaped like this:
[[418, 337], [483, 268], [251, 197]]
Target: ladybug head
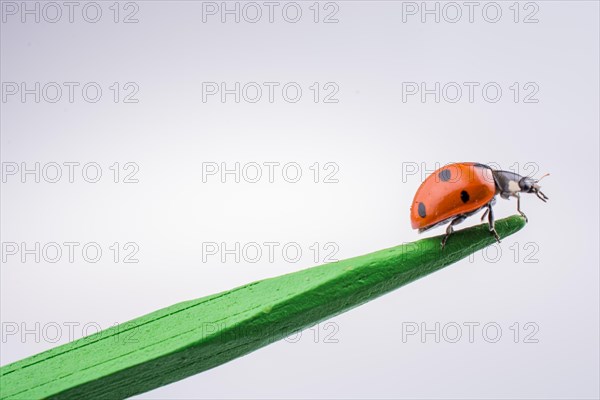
[[530, 185]]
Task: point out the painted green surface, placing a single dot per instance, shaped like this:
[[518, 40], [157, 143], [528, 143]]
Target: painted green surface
[[193, 336]]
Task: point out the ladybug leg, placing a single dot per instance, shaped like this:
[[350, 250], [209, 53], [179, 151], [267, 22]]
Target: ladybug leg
[[450, 228], [488, 207], [519, 207], [485, 213], [491, 222]]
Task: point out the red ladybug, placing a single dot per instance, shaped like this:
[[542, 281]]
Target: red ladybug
[[456, 191]]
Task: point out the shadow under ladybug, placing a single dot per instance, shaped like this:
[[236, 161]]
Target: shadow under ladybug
[[457, 191]]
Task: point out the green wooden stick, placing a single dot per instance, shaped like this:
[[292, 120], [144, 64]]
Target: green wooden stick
[[190, 337]]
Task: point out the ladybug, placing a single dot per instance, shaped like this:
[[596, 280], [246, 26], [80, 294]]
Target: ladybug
[[457, 191]]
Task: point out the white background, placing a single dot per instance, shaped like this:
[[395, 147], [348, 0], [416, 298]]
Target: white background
[[373, 137]]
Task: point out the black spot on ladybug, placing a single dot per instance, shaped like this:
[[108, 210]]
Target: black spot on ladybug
[[444, 175], [421, 210], [464, 196]]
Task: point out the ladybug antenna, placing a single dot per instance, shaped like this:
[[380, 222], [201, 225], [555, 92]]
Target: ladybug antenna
[[543, 176], [536, 189]]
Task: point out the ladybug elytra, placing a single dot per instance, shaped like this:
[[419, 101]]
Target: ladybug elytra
[[457, 191]]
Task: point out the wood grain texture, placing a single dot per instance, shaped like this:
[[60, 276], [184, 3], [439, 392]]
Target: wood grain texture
[[190, 337]]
